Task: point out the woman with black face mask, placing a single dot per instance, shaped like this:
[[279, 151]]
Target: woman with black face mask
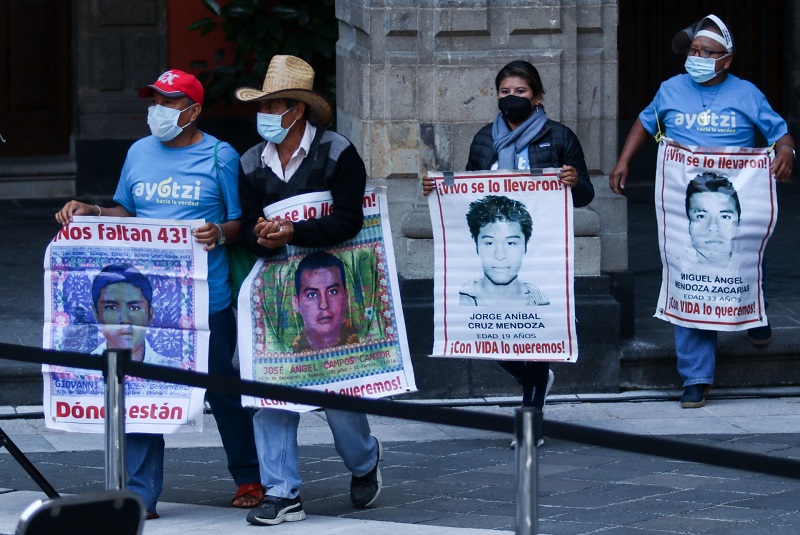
[[520, 138]]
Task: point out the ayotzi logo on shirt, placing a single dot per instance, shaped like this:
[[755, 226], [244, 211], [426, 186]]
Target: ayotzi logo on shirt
[[168, 191], [706, 119]]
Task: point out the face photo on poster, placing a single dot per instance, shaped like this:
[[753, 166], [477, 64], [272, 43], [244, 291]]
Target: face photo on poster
[[716, 209], [124, 304], [505, 253], [714, 215], [322, 300]]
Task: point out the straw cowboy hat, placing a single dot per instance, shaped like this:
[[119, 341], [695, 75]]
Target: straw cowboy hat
[[290, 77]]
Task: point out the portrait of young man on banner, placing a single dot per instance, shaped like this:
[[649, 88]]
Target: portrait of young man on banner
[[501, 228], [503, 266], [717, 209], [326, 319], [322, 300], [714, 212], [102, 292]]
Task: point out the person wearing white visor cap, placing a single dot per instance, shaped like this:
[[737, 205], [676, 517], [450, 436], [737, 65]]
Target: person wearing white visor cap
[[707, 107]]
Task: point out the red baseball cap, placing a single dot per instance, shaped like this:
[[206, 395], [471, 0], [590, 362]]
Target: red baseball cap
[[175, 84]]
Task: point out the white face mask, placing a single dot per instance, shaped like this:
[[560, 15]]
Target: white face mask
[[701, 69], [163, 122], [269, 126]]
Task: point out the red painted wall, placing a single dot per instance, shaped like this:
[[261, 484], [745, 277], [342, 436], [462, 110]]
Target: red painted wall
[[185, 47]]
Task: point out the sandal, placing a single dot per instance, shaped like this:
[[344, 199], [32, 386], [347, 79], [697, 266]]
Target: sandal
[[252, 490]]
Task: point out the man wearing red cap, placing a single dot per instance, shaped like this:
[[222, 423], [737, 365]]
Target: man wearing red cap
[[158, 172]]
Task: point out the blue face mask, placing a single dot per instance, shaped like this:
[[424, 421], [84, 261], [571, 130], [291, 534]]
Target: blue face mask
[[701, 69], [163, 122], [269, 126]]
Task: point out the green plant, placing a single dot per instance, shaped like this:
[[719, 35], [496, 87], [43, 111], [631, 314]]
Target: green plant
[[261, 29]]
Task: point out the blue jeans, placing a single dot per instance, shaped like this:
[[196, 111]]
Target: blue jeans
[[144, 453], [276, 439], [696, 351], [235, 423], [144, 462]]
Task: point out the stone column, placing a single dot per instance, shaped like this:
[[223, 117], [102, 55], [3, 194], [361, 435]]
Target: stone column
[[415, 82]]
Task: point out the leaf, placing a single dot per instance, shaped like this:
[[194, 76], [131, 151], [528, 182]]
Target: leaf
[[213, 7], [202, 24], [240, 12], [283, 12], [198, 64]]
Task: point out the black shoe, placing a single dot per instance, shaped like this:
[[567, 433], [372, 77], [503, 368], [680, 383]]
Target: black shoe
[[364, 490], [273, 510], [694, 396], [760, 336]]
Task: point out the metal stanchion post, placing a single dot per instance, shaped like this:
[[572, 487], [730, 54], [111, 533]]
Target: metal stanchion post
[[115, 417], [529, 431]]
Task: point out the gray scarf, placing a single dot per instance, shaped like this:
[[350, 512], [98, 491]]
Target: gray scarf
[[508, 143]]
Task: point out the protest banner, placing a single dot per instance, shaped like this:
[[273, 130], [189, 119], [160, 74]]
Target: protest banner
[[716, 209], [327, 320], [126, 283], [503, 277]]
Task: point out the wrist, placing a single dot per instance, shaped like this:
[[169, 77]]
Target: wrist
[[794, 155], [221, 239]]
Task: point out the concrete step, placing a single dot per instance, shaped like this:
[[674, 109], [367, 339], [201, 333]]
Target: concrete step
[[648, 361]]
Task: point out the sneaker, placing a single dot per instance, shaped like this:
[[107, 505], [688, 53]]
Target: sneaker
[[273, 510], [364, 490], [539, 443], [760, 336], [694, 396]]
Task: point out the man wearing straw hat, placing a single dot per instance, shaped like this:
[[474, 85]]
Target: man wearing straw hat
[[298, 156]]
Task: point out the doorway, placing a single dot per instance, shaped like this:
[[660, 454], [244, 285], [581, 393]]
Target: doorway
[[35, 78]]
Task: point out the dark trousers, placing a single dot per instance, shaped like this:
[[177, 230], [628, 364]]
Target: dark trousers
[[235, 423], [532, 375]]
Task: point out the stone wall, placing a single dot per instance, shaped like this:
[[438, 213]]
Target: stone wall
[[118, 46]]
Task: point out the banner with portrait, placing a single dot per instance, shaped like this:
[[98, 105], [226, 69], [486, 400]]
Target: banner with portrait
[[126, 283], [716, 209], [503, 275], [326, 319]]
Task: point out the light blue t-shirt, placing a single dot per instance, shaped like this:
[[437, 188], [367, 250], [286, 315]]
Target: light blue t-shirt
[[737, 109], [165, 183]]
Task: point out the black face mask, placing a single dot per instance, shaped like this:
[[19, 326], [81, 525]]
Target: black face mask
[[515, 109]]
